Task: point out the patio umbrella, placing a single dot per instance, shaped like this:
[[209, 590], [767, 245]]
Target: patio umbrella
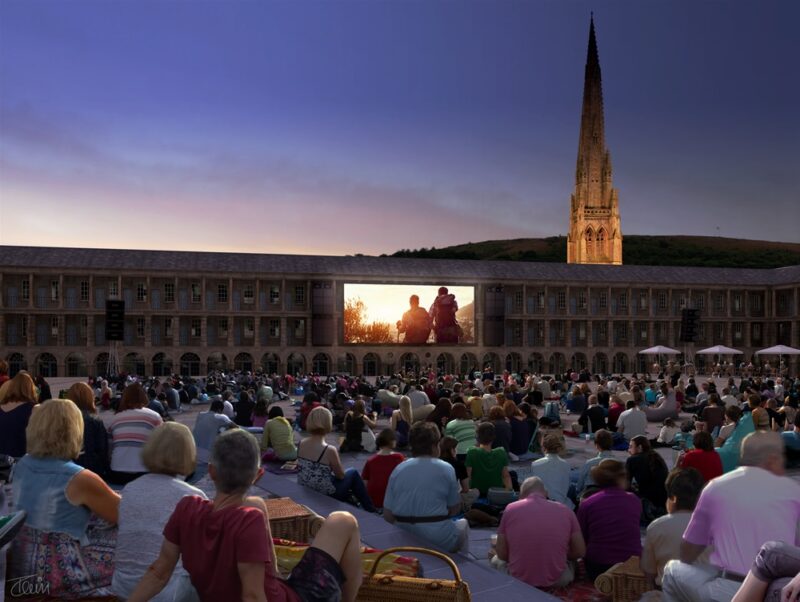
[[718, 350], [661, 349], [779, 350]]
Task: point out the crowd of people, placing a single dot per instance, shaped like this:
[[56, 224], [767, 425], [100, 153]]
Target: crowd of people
[[111, 507]]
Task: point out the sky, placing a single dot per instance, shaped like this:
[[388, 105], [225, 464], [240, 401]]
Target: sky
[[343, 127]]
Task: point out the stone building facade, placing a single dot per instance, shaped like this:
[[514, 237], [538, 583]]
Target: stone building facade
[[190, 312]]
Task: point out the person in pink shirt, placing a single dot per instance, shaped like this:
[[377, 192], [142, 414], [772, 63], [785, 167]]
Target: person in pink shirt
[[737, 513], [539, 538]]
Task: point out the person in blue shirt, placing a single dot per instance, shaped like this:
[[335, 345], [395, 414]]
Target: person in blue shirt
[[423, 494]]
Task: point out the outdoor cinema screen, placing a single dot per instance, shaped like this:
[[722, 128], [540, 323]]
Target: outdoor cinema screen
[[411, 314]]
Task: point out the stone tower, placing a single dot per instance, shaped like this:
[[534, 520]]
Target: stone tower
[[594, 232]]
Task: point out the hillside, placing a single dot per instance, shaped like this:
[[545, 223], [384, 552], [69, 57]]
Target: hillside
[[704, 251]]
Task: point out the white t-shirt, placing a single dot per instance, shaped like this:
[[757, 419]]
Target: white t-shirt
[[228, 409], [418, 399], [146, 505], [632, 423], [729, 400]]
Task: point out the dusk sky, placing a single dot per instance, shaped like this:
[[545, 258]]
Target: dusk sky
[[341, 127]]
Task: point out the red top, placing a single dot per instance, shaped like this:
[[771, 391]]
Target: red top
[[376, 472], [613, 414], [213, 542], [708, 463]]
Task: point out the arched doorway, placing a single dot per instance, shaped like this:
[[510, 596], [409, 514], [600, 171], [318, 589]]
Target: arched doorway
[[445, 364], [536, 363], [578, 362], [558, 363], [371, 365], [468, 364], [270, 363], [243, 362], [321, 364], [101, 364], [76, 365], [46, 365], [600, 363], [190, 364], [217, 361], [16, 362], [492, 360], [133, 363], [620, 365], [296, 364], [409, 362], [162, 365], [346, 364], [514, 362]]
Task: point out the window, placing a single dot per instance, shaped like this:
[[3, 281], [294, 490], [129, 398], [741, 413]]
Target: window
[[540, 300], [662, 300], [299, 329], [113, 289], [196, 327], [167, 327], [54, 290], [623, 301], [275, 328], [642, 300], [223, 327], [737, 331], [196, 292], [169, 292], [700, 302], [642, 331], [737, 302], [603, 301], [141, 291], [139, 327], [222, 293], [682, 301], [602, 330], [249, 328], [582, 300], [518, 301], [26, 290], [719, 302], [249, 293], [84, 290], [274, 294], [84, 326], [300, 295], [719, 331], [54, 326], [24, 327], [562, 300], [756, 331], [755, 302]]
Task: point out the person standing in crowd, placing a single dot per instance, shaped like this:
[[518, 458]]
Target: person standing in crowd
[[759, 483]]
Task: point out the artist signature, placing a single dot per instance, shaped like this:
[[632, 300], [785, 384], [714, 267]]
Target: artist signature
[[30, 585]]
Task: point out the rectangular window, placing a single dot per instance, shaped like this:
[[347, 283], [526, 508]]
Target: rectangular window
[[196, 292], [700, 302], [662, 300], [755, 302], [719, 302], [222, 293], [274, 294], [26, 290], [540, 300], [223, 327], [274, 329], [582, 300], [737, 331], [518, 301], [141, 291], [602, 330], [642, 300], [603, 300], [299, 329], [140, 327], [300, 295], [167, 327], [737, 302], [169, 292], [196, 327], [84, 290], [682, 301], [54, 290], [54, 326], [562, 300], [84, 326], [249, 293], [249, 328], [623, 301], [113, 289]]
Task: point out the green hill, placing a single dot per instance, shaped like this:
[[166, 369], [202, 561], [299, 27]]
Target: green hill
[[706, 251]]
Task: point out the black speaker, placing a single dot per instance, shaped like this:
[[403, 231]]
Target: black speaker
[[494, 316], [115, 320], [689, 319], [322, 309]]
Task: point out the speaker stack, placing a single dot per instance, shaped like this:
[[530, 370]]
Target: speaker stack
[[689, 320]]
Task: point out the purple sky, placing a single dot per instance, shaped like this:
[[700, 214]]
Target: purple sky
[[346, 127]]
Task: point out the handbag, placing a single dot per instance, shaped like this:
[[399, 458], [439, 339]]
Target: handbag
[[396, 588]]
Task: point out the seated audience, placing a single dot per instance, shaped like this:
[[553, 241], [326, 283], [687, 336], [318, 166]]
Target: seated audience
[[576, 401], [447, 453], [147, 503], [774, 576], [667, 407], [206, 428], [791, 442], [703, 457], [260, 413], [647, 473], [539, 538], [730, 450], [487, 466], [441, 413], [663, 540], [476, 404], [713, 414], [278, 436], [632, 422], [15, 412], [554, 471], [401, 421], [666, 436], [129, 430], [614, 412], [356, 422], [58, 545], [94, 453], [423, 494], [759, 413], [758, 484], [462, 429], [244, 410], [593, 417], [609, 519], [520, 429], [310, 401], [319, 465], [603, 442], [502, 428], [379, 467], [226, 547], [732, 416]]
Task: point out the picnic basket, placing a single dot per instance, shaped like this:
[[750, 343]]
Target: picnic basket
[[290, 520], [395, 588], [624, 582]]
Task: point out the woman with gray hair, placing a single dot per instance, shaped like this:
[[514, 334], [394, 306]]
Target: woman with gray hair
[[226, 546]]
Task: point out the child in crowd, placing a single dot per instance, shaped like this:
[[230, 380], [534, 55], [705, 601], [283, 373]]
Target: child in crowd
[[447, 452], [379, 467], [260, 413], [666, 436]]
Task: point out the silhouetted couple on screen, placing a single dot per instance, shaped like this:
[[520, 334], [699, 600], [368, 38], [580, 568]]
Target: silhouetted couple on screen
[[441, 318]]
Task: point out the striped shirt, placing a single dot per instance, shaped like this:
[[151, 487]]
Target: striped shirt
[[128, 431]]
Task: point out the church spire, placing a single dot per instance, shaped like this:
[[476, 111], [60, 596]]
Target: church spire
[[595, 235]]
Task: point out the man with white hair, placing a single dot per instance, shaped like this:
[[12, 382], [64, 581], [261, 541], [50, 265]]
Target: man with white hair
[[538, 538], [736, 513]]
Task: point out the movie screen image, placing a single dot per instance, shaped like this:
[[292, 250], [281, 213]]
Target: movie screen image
[[409, 314]]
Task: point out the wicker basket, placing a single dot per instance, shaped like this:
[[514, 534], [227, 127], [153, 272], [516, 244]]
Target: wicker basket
[[394, 588], [290, 520], [624, 582]]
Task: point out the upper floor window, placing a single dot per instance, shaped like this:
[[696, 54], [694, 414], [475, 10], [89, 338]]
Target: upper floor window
[[223, 326], [139, 327], [113, 289], [274, 328], [662, 300], [196, 293], [603, 300], [169, 292], [540, 300], [197, 325], [274, 294], [54, 326], [737, 302], [642, 300], [719, 302], [26, 290], [54, 290], [249, 327], [518, 301], [84, 290], [581, 299], [562, 300], [249, 293], [623, 301], [141, 291], [299, 295], [222, 293]]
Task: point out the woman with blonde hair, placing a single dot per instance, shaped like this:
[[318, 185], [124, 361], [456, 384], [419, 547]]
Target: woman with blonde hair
[[402, 420], [94, 455], [58, 544], [129, 430], [147, 503], [15, 411]]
